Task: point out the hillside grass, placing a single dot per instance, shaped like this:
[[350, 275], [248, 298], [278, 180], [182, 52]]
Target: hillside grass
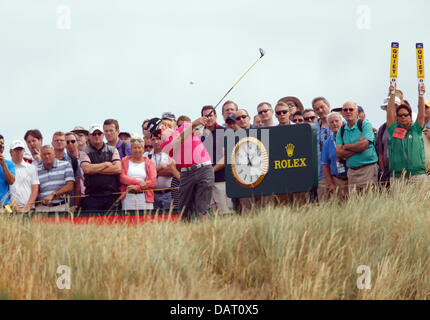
[[311, 252]]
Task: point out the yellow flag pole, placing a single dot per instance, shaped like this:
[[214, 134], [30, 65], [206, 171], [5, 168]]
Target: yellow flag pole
[[394, 62], [420, 64]]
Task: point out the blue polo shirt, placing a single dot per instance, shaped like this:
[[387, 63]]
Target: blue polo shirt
[[4, 187], [323, 134], [353, 135], [328, 157]]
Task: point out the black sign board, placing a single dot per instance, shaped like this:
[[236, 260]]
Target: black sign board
[[271, 160]]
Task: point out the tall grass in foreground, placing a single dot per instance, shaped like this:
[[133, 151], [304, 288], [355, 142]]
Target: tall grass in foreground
[[310, 252]]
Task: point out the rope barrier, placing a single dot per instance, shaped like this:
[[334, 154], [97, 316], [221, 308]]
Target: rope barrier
[[113, 193]]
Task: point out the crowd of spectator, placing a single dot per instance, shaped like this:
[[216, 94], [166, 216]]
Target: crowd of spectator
[[103, 168]]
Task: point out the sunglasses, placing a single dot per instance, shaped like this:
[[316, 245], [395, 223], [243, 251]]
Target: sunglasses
[[310, 118], [148, 146], [244, 116], [348, 109], [403, 115], [263, 111], [97, 134], [71, 141], [291, 104], [281, 112], [298, 121]]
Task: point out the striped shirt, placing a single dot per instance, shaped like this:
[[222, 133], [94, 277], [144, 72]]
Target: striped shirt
[[54, 179]]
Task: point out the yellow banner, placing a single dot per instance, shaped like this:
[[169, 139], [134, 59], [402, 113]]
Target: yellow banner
[[394, 60], [420, 60]]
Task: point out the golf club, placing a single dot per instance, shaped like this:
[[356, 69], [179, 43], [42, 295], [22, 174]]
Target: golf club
[[262, 53]]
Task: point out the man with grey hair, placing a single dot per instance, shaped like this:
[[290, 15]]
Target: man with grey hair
[[355, 143], [56, 181], [335, 169]]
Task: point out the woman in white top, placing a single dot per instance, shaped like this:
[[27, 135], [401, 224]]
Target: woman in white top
[[138, 177]]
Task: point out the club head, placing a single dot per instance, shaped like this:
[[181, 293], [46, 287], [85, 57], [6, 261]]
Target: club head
[[262, 52]]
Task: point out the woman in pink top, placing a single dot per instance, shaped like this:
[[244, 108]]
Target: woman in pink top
[[138, 177], [191, 156]]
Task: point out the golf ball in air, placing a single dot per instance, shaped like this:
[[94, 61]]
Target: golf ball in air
[[191, 82]]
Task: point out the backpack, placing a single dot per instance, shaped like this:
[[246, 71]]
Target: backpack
[[359, 125]]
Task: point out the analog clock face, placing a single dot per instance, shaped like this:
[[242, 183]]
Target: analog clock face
[[250, 162]]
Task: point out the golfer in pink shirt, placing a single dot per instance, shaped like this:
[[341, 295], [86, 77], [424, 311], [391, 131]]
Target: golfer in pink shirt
[[193, 160]]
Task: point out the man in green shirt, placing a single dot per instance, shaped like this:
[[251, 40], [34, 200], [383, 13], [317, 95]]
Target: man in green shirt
[[357, 146], [405, 141]]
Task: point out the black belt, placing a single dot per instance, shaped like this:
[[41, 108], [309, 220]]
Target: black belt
[[162, 191], [341, 177]]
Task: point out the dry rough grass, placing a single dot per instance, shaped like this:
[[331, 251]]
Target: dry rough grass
[[310, 252]]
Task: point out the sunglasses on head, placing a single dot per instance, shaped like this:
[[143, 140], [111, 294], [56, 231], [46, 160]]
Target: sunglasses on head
[[243, 116], [281, 112], [291, 104], [348, 109], [71, 141], [263, 111]]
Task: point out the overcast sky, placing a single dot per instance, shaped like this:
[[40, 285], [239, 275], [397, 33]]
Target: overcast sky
[[132, 60]]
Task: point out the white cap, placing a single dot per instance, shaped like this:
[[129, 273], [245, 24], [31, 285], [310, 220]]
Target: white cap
[[16, 144], [95, 127], [385, 103]]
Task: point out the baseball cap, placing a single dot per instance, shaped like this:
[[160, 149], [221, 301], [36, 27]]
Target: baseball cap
[[360, 109], [153, 124], [168, 115], [95, 127], [230, 118], [427, 103], [126, 133], [385, 103], [16, 144], [79, 129], [336, 109]]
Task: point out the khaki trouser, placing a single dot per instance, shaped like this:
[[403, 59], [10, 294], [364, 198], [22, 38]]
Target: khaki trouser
[[323, 188], [322, 191], [342, 190], [246, 204], [361, 177], [219, 200], [61, 207], [298, 198]]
